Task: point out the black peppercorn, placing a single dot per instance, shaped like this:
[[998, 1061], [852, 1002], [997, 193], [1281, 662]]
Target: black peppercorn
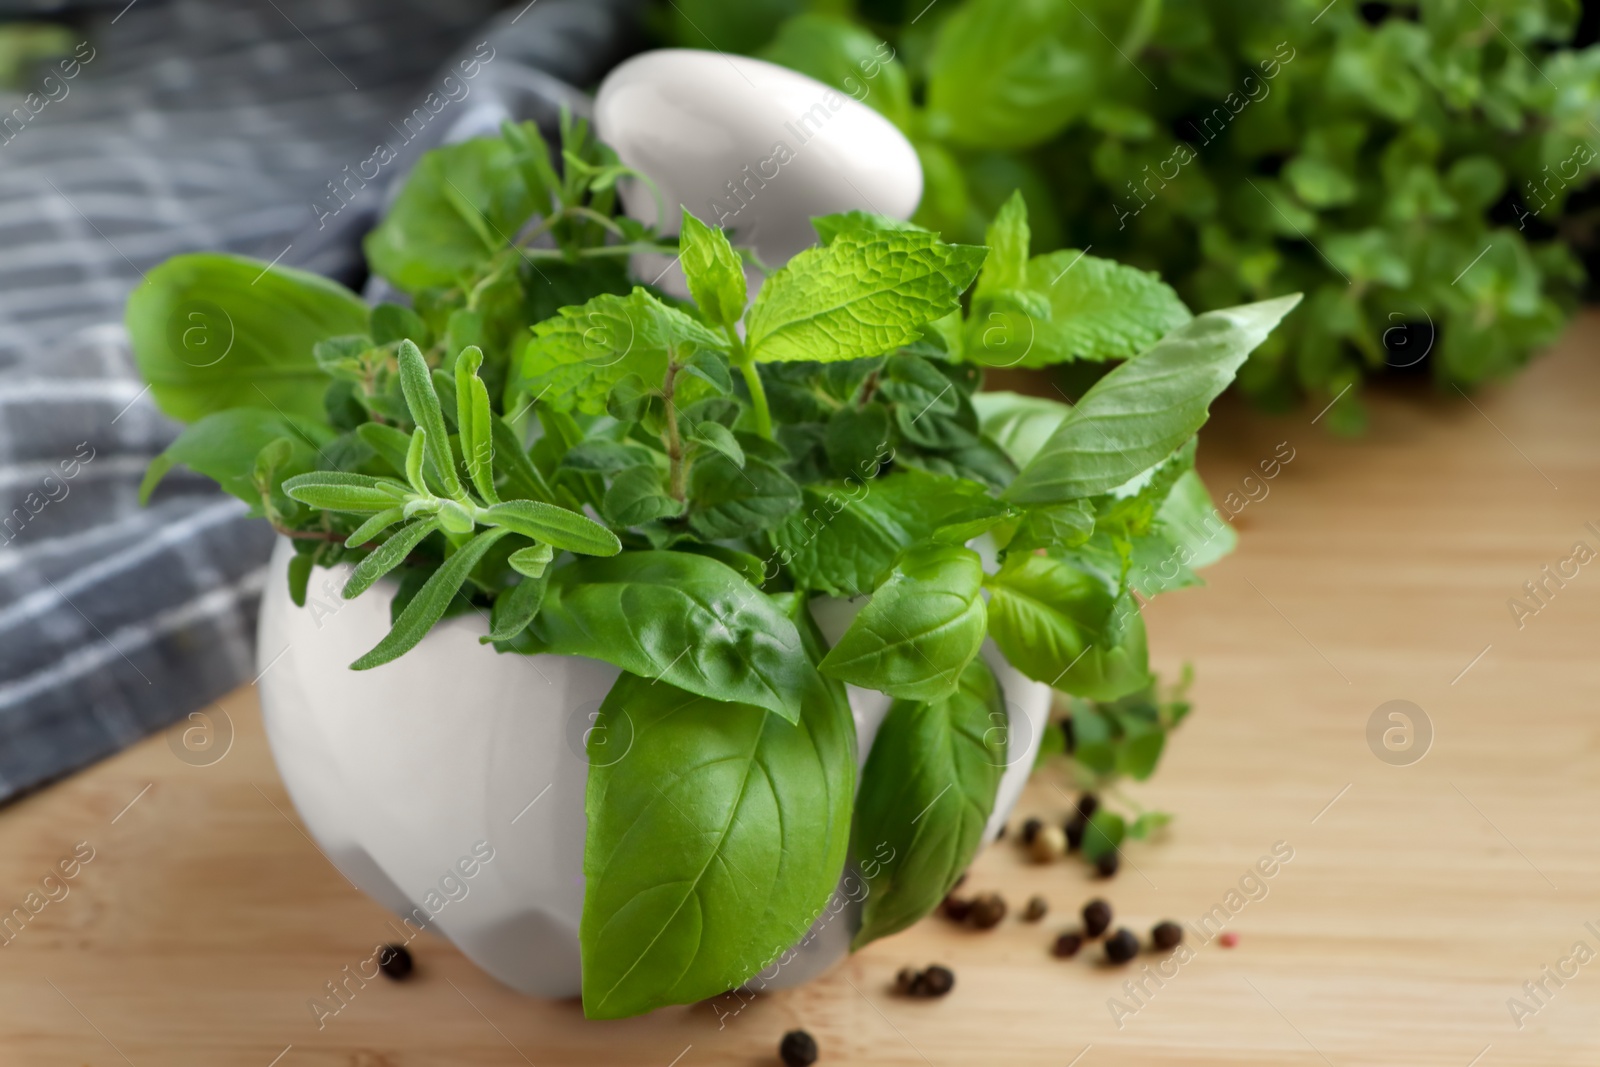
[[1068, 733], [1096, 917], [394, 961], [1030, 830], [1035, 910], [1121, 946], [1088, 804], [936, 981], [1067, 945], [906, 980], [1107, 864], [1076, 827], [1166, 935], [956, 909], [987, 911], [797, 1049]]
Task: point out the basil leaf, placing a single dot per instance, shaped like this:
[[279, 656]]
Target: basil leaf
[[554, 525], [387, 556], [1056, 624], [921, 627], [835, 52], [711, 844], [1138, 414], [713, 271], [1012, 73], [847, 533], [224, 445], [215, 332], [1019, 424], [575, 358], [690, 621], [461, 204], [926, 793], [862, 295], [428, 606], [423, 403], [473, 417], [338, 491]]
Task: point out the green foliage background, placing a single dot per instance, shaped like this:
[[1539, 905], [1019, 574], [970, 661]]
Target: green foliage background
[[1410, 167]]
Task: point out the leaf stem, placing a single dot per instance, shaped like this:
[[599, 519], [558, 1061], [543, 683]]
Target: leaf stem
[[752, 380], [674, 442]]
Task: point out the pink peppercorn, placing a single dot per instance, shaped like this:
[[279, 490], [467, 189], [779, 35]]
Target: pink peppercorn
[[1229, 939]]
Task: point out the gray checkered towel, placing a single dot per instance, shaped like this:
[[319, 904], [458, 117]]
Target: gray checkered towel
[[183, 126]]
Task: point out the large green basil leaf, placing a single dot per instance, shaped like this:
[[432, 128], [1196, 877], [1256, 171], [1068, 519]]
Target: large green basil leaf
[[926, 793], [712, 844], [223, 446], [863, 294], [1018, 423], [923, 625], [1012, 73], [1137, 415], [213, 332], [1059, 625], [1093, 308], [839, 53], [684, 619], [460, 205], [848, 533], [576, 357]]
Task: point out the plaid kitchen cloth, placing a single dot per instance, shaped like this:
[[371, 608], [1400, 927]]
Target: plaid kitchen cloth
[[183, 126]]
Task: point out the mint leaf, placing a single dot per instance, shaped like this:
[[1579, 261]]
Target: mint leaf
[[1008, 237], [1144, 409], [847, 534], [923, 625], [860, 296], [713, 271], [575, 358]]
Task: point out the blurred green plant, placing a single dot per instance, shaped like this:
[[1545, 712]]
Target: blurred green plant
[[1408, 166]]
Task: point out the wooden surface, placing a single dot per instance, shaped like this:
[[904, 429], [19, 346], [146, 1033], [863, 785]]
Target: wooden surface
[[1419, 900]]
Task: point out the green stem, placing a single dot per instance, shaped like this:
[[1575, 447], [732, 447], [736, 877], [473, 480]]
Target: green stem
[[752, 380], [674, 442]]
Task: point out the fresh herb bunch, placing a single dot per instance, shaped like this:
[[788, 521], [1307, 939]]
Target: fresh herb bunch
[[1406, 165], [667, 485]]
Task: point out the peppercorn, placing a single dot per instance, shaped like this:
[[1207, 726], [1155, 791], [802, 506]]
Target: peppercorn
[[956, 909], [1229, 939], [1030, 830], [1076, 827], [797, 1049], [987, 911], [1166, 935], [1107, 864], [1049, 843], [1088, 804], [906, 980], [1068, 733], [936, 981], [1035, 910], [1001, 833], [1096, 917], [394, 961], [1067, 945], [1121, 946]]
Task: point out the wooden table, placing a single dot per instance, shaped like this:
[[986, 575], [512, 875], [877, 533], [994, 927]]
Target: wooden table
[[1418, 901]]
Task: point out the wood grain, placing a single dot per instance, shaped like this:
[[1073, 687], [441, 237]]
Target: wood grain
[[1418, 901]]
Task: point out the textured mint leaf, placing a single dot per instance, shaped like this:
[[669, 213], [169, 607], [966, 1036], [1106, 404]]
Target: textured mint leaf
[[713, 270], [1137, 415], [862, 295], [848, 533], [1073, 306], [1008, 238], [576, 357]]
